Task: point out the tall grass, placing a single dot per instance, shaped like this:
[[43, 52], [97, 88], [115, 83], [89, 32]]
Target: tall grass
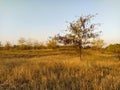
[[60, 72]]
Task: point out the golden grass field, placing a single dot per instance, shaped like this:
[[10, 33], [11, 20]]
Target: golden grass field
[[58, 70]]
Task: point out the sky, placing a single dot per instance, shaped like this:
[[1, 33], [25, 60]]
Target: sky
[[40, 19]]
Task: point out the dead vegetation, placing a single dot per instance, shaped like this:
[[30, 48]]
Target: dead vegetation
[[55, 70]]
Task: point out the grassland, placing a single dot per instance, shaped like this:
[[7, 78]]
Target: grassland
[[58, 70]]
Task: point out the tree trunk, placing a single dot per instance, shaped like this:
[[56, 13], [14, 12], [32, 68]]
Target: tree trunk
[[80, 48]]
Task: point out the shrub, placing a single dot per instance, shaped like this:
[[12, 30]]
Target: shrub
[[7, 46], [52, 44], [114, 48]]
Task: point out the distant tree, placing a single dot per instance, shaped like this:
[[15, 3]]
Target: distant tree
[[51, 43], [29, 42], [38, 45], [21, 41], [97, 43], [7, 46], [16, 47], [79, 33], [0, 45]]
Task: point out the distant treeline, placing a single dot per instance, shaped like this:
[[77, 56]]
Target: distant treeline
[[29, 44], [114, 48], [24, 44]]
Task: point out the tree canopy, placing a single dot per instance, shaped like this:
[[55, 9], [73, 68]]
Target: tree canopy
[[79, 33]]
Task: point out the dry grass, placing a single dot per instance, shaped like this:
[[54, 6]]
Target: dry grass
[[54, 70]]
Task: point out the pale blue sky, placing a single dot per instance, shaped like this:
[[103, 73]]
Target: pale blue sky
[[39, 19]]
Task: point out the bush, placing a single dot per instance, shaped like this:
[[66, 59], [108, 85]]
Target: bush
[[114, 48], [52, 44], [7, 46]]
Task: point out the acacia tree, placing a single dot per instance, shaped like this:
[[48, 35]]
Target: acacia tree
[[79, 33]]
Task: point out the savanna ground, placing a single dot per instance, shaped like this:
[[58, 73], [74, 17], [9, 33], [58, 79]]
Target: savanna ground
[[57, 69]]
